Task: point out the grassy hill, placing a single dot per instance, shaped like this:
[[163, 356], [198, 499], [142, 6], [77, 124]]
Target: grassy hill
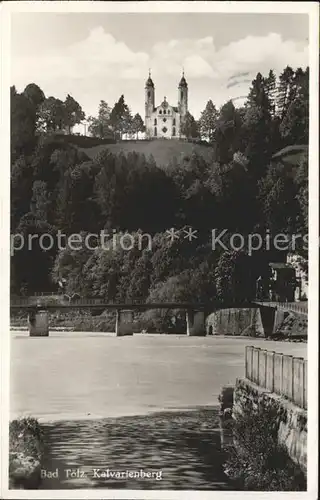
[[292, 155], [163, 150]]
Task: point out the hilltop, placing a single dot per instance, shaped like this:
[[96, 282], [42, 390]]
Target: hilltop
[[162, 150], [294, 154]]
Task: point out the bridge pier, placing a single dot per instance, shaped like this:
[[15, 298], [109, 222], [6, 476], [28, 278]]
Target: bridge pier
[[38, 324], [124, 322], [195, 323], [279, 316]]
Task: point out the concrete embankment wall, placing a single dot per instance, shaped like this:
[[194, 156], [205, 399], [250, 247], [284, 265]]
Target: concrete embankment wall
[[262, 321], [290, 325], [244, 321], [293, 421], [280, 382]]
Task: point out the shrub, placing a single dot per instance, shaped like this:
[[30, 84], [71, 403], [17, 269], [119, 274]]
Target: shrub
[[26, 434], [25, 453], [94, 324], [258, 462], [74, 320], [83, 141], [160, 321]]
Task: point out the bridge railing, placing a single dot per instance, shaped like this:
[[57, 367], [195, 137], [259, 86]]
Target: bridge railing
[[89, 302], [279, 373], [296, 307], [60, 299], [299, 307]]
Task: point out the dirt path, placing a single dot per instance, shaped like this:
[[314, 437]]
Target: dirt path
[[181, 450]]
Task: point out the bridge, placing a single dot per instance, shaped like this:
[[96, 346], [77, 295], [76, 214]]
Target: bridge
[[38, 312], [38, 308], [298, 307], [196, 312]]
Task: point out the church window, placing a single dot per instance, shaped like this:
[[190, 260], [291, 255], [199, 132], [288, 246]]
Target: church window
[[174, 121], [164, 130], [164, 120], [160, 112], [149, 94], [181, 94], [155, 121], [174, 131], [164, 111], [155, 131], [168, 111]]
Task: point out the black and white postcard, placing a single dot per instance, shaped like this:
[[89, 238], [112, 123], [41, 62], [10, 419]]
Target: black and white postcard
[[159, 251]]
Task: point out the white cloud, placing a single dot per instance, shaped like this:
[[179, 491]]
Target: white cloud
[[203, 42], [98, 55], [101, 67], [208, 68], [251, 54], [260, 54], [196, 67]]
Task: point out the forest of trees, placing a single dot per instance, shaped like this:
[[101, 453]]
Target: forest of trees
[[56, 187], [115, 122]]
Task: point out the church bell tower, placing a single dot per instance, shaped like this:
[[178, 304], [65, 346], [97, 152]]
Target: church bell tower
[[183, 97], [149, 97]]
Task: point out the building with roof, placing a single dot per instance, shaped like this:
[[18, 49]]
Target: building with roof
[[164, 121], [279, 284]]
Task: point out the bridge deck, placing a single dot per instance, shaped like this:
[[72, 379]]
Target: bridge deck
[[298, 307], [29, 303], [108, 305]]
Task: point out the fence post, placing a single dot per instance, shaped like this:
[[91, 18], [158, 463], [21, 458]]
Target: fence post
[[255, 365], [262, 370], [249, 361], [305, 384], [246, 368], [292, 378], [287, 377], [278, 369], [298, 381], [270, 371]]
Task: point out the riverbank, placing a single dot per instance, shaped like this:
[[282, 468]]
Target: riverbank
[[26, 448]]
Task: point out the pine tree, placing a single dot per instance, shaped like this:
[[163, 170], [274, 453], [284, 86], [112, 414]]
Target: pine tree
[[258, 127], [137, 125], [270, 88], [34, 93], [227, 137], [120, 118], [101, 126], [73, 113], [285, 91], [189, 126], [208, 121], [40, 202], [294, 125]]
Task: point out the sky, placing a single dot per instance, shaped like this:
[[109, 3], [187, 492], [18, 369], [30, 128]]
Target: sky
[[95, 56]]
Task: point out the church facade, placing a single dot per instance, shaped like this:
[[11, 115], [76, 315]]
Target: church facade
[[164, 121]]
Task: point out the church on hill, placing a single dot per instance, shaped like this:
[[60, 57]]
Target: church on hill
[[164, 121]]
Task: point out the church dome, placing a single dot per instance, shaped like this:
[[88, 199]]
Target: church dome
[[183, 82], [164, 103], [149, 82]]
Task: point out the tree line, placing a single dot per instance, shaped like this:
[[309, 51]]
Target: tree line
[[32, 113], [115, 122]]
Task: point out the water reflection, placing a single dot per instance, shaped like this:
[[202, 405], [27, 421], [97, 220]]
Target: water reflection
[[184, 445]]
